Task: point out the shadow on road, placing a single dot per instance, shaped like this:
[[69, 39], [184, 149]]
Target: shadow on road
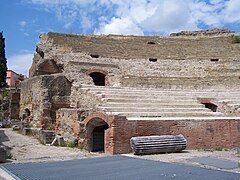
[[4, 138]]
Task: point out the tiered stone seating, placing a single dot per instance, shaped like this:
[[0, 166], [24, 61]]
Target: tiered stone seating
[[153, 103]]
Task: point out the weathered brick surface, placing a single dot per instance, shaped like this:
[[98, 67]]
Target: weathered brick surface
[[67, 124], [42, 96], [200, 134]]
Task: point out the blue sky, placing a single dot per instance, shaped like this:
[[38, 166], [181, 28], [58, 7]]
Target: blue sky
[[22, 21]]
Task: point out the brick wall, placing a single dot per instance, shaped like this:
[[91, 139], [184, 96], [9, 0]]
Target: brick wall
[[14, 105], [200, 134]]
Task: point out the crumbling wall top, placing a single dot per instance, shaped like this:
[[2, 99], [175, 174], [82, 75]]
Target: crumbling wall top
[[209, 32]]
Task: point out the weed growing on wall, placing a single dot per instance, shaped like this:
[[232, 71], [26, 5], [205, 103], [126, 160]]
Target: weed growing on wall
[[235, 39]]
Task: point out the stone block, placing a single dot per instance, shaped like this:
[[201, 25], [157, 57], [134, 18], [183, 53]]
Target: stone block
[[26, 131], [60, 141], [47, 136], [36, 131]]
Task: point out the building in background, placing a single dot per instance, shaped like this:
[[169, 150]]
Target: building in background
[[13, 79]]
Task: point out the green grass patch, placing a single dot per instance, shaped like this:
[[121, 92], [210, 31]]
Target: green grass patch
[[220, 149], [235, 39], [69, 144]]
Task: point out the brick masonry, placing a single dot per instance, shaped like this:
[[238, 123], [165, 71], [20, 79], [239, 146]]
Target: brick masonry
[[14, 105], [200, 134], [42, 95]]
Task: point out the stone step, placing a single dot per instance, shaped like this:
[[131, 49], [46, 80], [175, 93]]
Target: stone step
[[177, 93], [137, 89], [230, 101], [129, 89], [229, 97], [166, 114], [167, 100], [136, 96], [140, 92], [160, 91], [156, 109], [172, 104], [209, 95], [234, 104], [222, 117], [173, 97], [143, 93]]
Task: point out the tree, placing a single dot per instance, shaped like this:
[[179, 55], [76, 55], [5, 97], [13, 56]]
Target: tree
[[3, 62]]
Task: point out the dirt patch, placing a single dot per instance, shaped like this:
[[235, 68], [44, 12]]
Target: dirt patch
[[28, 149]]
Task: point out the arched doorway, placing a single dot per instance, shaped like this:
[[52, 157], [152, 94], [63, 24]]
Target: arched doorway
[[96, 130], [98, 136], [98, 78]]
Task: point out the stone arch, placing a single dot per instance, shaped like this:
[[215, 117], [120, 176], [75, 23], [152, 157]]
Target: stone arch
[[98, 76], [96, 126], [96, 134]]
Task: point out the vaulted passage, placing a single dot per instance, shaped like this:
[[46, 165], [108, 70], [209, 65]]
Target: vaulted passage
[[98, 78], [211, 106], [98, 138], [96, 134]]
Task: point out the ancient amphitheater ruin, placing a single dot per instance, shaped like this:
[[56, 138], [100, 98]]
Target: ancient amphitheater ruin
[[99, 91]]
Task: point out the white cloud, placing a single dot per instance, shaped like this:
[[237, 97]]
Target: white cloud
[[143, 16], [22, 24], [207, 14], [216, 1], [20, 63], [171, 15], [232, 12], [120, 26]]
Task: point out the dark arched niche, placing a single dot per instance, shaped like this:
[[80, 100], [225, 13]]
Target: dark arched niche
[[98, 78]]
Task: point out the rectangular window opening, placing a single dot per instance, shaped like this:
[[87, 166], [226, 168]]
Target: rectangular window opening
[[94, 55], [151, 42], [152, 59], [214, 60]]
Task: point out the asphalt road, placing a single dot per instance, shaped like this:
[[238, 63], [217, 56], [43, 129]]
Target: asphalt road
[[114, 168]]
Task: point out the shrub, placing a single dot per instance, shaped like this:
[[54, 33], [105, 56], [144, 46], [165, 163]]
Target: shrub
[[235, 39]]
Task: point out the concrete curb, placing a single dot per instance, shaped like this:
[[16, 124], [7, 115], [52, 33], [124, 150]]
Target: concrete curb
[[6, 175]]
